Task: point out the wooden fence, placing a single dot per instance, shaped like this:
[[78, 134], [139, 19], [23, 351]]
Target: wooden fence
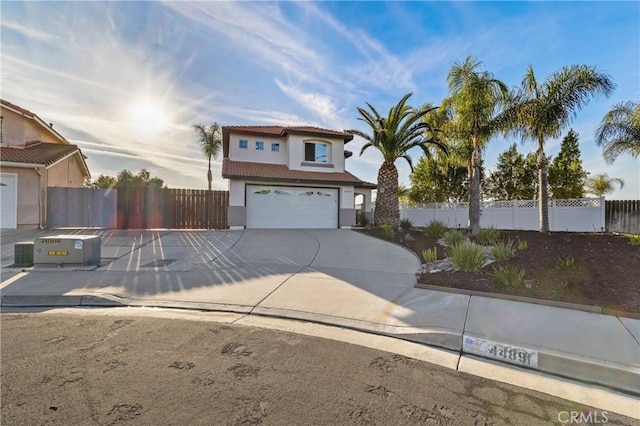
[[137, 208], [151, 208], [81, 207], [623, 216]]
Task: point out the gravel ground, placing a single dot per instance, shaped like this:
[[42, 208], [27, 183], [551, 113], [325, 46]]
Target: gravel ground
[[95, 369]]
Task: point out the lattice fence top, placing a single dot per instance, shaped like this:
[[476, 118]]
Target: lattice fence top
[[510, 204], [579, 202]]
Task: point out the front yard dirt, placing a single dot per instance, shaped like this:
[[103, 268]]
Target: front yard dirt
[[607, 272]]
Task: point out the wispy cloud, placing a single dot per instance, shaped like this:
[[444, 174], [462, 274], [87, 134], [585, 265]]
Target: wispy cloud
[[30, 33]]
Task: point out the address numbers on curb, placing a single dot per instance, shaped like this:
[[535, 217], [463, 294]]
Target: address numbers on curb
[[499, 351]]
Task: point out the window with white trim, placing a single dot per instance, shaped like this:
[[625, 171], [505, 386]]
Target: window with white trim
[[259, 146], [275, 147], [244, 144]]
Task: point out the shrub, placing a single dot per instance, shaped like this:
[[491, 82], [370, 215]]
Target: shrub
[[468, 257], [508, 276], [387, 231], [430, 255], [522, 245], [487, 236], [634, 240], [567, 264], [435, 229], [502, 250], [454, 237], [406, 225], [362, 219]]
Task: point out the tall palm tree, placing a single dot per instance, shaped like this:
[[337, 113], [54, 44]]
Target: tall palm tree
[[394, 135], [542, 110], [619, 131], [210, 144], [602, 184], [475, 97]]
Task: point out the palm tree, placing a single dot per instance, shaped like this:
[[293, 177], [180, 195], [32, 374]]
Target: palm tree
[[619, 131], [475, 98], [394, 135], [210, 144], [602, 184], [542, 110]]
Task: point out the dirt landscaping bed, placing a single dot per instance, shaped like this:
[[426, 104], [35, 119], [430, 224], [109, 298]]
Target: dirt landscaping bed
[[604, 268]]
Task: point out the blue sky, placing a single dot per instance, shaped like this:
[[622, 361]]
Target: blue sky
[[124, 80]]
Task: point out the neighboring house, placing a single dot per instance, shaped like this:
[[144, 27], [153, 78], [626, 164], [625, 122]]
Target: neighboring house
[[33, 158], [290, 177]]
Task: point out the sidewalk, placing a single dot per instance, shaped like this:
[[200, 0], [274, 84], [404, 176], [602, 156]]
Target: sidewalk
[[338, 278]]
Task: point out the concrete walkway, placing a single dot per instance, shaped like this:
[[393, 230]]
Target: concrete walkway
[[334, 277]]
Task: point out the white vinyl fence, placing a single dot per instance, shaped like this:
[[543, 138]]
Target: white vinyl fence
[[572, 215]]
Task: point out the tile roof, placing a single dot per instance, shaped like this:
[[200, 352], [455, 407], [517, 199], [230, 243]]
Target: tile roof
[[284, 130], [41, 153], [281, 173]]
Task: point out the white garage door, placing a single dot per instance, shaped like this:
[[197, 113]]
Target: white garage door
[[291, 207], [9, 200]]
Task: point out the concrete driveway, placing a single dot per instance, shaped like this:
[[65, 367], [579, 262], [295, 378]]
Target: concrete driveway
[[339, 277]]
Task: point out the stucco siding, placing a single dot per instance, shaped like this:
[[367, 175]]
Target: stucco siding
[[27, 211], [296, 154], [18, 131], [251, 154], [66, 173]]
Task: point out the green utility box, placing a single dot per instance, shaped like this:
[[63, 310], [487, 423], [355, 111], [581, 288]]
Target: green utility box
[[23, 254]]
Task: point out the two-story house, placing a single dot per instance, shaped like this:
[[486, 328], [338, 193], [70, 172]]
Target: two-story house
[[290, 177], [33, 158]]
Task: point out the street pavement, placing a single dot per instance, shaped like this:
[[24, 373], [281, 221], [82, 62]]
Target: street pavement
[[344, 279]]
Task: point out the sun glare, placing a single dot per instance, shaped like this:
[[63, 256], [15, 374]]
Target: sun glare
[[147, 117]]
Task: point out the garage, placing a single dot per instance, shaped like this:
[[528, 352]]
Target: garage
[[9, 200], [291, 207]]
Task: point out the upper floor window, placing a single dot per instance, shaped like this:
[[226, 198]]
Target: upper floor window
[[317, 152], [275, 147], [244, 144], [259, 145]]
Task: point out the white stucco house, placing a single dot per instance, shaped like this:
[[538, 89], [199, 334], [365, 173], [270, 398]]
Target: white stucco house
[[290, 177]]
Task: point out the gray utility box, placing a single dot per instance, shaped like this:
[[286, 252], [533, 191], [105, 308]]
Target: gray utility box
[[67, 250], [23, 254]]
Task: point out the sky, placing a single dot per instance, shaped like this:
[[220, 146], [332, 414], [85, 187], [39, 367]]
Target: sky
[[126, 80]]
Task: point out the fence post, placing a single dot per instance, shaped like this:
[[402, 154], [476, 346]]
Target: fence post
[[603, 214]]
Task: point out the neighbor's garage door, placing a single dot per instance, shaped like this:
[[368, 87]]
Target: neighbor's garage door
[[291, 207], [9, 200]]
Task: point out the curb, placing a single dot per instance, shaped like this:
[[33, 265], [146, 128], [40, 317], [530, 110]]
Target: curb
[[599, 372], [567, 305]]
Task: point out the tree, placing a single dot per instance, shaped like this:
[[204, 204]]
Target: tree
[[440, 177], [125, 180], [566, 175], [602, 184], [475, 97], [102, 181], [619, 131], [403, 194], [513, 179], [435, 182], [394, 135], [210, 144], [542, 110]]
